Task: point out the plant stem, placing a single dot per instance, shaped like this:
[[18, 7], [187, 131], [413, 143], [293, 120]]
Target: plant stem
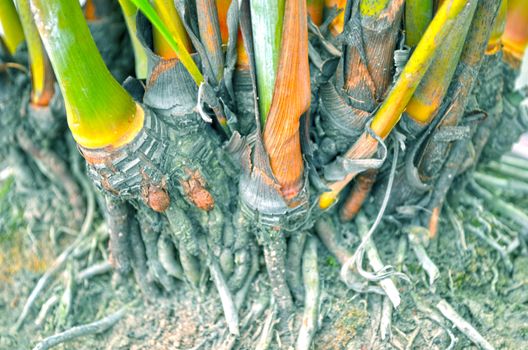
[[418, 15], [372, 8], [515, 36], [42, 77], [430, 94], [175, 40], [222, 7], [393, 106], [495, 41], [170, 18], [10, 26], [315, 10], [338, 23], [210, 36], [100, 112], [266, 20], [129, 12], [281, 132]]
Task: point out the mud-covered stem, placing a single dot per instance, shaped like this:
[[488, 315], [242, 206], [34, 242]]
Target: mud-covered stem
[[10, 25], [41, 72]]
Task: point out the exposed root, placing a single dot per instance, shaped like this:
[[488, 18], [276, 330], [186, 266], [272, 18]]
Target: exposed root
[[501, 206], [358, 195], [266, 334], [81, 331], [150, 225], [230, 310], [139, 262], [56, 168], [117, 218], [293, 264], [416, 234], [312, 294], [45, 309], [167, 257], [377, 265], [457, 226], [462, 325], [94, 270], [274, 246]]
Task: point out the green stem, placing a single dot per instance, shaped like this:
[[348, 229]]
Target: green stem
[[100, 112], [129, 12], [266, 17], [10, 25], [41, 73], [418, 15], [174, 39]]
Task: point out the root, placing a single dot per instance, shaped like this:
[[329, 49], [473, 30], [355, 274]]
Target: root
[[150, 233], [501, 206], [167, 257], [414, 233], [139, 262], [230, 310], [312, 294], [56, 166], [191, 266], [266, 335], [117, 218], [274, 245], [358, 195], [293, 264], [94, 270], [45, 309], [463, 326], [81, 331], [377, 265]]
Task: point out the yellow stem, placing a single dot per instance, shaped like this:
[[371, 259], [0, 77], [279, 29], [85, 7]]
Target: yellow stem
[[168, 14], [10, 26], [41, 72]]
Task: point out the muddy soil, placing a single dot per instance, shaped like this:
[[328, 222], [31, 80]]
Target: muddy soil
[[487, 289]]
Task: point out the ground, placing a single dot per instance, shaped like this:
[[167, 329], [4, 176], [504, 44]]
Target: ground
[[478, 282]]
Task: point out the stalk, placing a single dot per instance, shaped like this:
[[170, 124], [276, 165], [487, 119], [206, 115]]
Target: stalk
[[10, 26], [495, 41], [129, 12], [366, 75], [100, 112], [281, 132], [222, 7], [90, 11], [169, 16], [315, 10], [429, 95], [418, 15], [266, 21], [338, 23], [211, 38], [42, 77], [172, 36], [393, 106], [515, 36]]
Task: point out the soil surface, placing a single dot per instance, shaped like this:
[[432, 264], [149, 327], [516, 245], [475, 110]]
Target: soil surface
[[487, 288]]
